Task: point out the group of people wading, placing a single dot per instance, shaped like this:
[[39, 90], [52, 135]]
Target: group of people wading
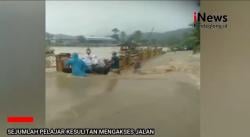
[[91, 64]]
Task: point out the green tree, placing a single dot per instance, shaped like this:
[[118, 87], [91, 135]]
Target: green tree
[[115, 34], [192, 41], [115, 30], [137, 36]]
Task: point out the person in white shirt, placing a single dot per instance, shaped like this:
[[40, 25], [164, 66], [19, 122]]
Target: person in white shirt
[[95, 64], [90, 57]]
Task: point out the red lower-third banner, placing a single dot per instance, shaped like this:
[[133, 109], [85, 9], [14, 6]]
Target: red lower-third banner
[[20, 119]]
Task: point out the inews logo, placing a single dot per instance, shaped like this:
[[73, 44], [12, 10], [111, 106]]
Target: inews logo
[[208, 21]]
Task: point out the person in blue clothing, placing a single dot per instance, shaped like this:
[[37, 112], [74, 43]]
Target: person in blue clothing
[[77, 65]]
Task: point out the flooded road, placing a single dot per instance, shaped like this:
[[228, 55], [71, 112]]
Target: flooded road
[[165, 96]]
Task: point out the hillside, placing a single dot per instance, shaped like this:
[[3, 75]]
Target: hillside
[[165, 38], [177, 34]]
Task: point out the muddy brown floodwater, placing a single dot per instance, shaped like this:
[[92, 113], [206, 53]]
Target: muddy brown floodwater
[[164, 96]]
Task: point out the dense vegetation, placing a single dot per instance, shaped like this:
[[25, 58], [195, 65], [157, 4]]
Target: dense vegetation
[[182, 39]]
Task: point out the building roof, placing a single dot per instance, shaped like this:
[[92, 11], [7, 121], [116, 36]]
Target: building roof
[[100, 38]]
